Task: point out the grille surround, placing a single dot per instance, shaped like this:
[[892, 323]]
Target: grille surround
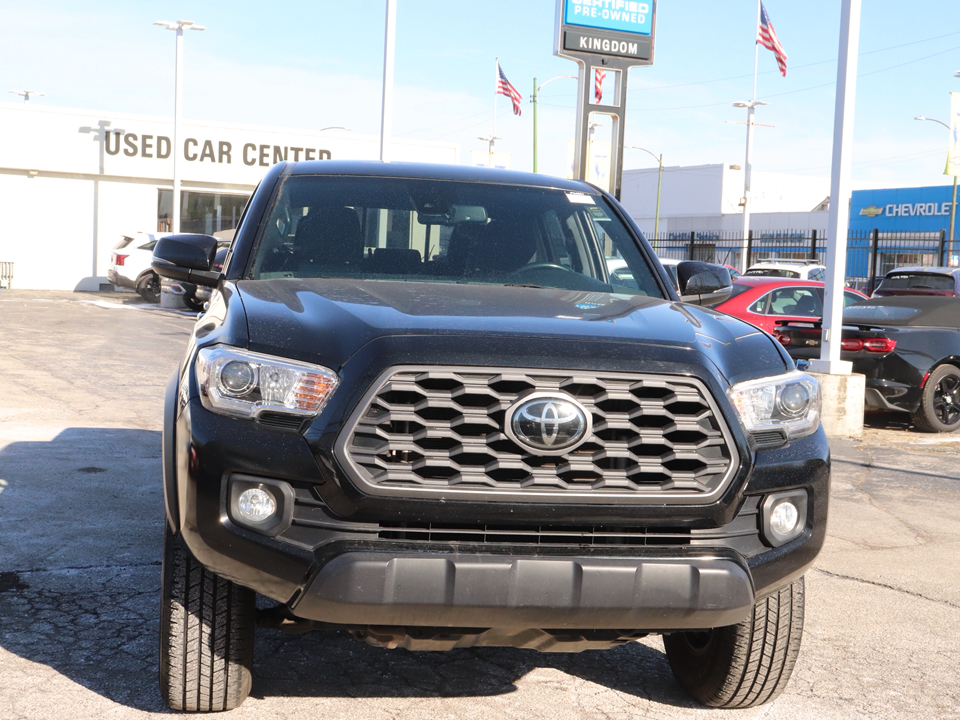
[[429, 431]]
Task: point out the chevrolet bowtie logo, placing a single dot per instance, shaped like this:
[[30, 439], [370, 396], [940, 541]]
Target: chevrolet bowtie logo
[[872, 211]]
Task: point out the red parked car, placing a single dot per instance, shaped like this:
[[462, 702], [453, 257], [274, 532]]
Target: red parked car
[[762, 301]]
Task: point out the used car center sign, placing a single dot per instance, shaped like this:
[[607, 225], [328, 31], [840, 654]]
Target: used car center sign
[[621, 28]]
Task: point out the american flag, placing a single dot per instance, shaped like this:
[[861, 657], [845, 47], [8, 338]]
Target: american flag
[[598, 91], [505, 88], [767, 37]]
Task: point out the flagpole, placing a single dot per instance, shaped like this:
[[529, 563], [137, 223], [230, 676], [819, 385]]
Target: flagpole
[[496, 86], [756, 53], [751, 106]]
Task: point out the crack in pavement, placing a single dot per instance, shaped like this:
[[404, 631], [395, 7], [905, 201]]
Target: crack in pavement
[[920, 538], [863, 581]]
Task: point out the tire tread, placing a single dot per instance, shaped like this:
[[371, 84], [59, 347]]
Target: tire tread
[[748, 664], [207, 632]]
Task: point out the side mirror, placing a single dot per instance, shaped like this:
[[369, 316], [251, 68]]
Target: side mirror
[[703, 283], [186, 257]]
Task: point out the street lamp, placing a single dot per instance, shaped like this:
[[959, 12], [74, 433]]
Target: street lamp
[[179, 26], [25, 94], [492, 140], [659, 159], [750, 105], [953, 205], [536, 91]]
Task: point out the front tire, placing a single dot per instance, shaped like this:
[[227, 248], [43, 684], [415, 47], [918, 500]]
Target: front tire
[[742, 665], [939, 409], [193, 304], [206, 634]]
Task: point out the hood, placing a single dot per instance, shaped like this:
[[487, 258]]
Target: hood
[[327, 321]]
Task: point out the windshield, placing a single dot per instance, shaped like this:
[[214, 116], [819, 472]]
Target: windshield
[[372, 228], [917, 281]]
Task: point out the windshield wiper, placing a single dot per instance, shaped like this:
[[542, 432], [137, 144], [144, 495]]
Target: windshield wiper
[[526, 285]]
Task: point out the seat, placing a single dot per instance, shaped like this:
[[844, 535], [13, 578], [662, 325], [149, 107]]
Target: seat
[[807, 306], [330, 236], [396, 261], [500, 246], [503, 247]]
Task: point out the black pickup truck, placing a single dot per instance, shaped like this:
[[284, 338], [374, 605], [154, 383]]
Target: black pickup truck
[[420, 411]]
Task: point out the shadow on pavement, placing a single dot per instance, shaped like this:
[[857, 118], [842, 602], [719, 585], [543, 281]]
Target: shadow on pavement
[[81, 532], [329, 664]]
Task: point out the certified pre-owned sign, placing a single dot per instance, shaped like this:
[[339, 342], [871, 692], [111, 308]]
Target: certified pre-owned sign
[[621, 28]]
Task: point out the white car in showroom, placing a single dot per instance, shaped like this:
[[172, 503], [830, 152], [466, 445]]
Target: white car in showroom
[[130, 265]]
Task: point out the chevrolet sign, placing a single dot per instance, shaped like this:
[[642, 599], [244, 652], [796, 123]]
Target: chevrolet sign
[[872, 211]]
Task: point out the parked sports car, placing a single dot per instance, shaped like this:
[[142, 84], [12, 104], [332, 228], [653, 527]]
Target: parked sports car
[[920, 281], [909, 349], [763, 301]]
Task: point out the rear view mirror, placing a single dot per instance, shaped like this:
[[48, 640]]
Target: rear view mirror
[[186, 257], [703, 283]]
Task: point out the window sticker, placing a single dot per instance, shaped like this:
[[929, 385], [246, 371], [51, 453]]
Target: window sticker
[[580, 198]]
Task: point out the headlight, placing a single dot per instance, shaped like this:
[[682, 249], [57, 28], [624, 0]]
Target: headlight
[[245, 384], [790, 403]]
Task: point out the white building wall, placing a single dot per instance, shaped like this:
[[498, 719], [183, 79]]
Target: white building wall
[[75, 181], [706, 198], [47, 226]]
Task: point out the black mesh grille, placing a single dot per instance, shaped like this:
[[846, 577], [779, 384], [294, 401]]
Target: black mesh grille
[[435, 431]]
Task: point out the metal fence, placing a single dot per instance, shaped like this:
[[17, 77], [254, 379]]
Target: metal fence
[[6, 275], [870, 255]]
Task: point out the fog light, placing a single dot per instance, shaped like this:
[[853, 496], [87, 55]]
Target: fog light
[[784, 516], [256, 505]]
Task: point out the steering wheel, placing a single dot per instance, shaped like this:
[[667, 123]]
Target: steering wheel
[[543, 266]]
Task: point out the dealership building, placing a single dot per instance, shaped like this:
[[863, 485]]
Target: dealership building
[[75, 181], [706, 199]]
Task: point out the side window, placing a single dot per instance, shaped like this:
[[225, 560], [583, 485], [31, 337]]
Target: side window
[[817, 274], [850, 298], [797, 302], [760, 306]]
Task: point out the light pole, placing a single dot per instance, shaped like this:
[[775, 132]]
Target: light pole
[[750, 105], [536, 92], [953, 204], [386, 105], [659, 159], [25, 94], [179, 27], [492, 140]]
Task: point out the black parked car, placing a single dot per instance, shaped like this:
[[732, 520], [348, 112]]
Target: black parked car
[[920, 281], [907, 347], [419, 410]]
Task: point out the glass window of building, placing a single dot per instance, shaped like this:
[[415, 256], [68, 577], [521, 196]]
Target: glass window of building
[[200, 212]]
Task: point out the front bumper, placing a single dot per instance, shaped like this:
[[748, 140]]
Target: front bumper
[[451, 589]]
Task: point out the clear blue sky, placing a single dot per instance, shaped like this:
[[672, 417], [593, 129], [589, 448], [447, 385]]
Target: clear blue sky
[[318, 64]]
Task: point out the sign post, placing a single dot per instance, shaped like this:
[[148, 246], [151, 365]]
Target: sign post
[[609, 36], [953, 166]]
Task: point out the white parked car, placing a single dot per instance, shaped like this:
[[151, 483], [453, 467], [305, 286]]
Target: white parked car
[[130, 265], [788, 268]]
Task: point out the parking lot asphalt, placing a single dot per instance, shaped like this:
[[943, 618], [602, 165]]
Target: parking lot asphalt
[[81, 511]]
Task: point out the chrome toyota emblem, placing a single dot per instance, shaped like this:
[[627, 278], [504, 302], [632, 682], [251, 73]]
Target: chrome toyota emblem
[[548, 424]]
